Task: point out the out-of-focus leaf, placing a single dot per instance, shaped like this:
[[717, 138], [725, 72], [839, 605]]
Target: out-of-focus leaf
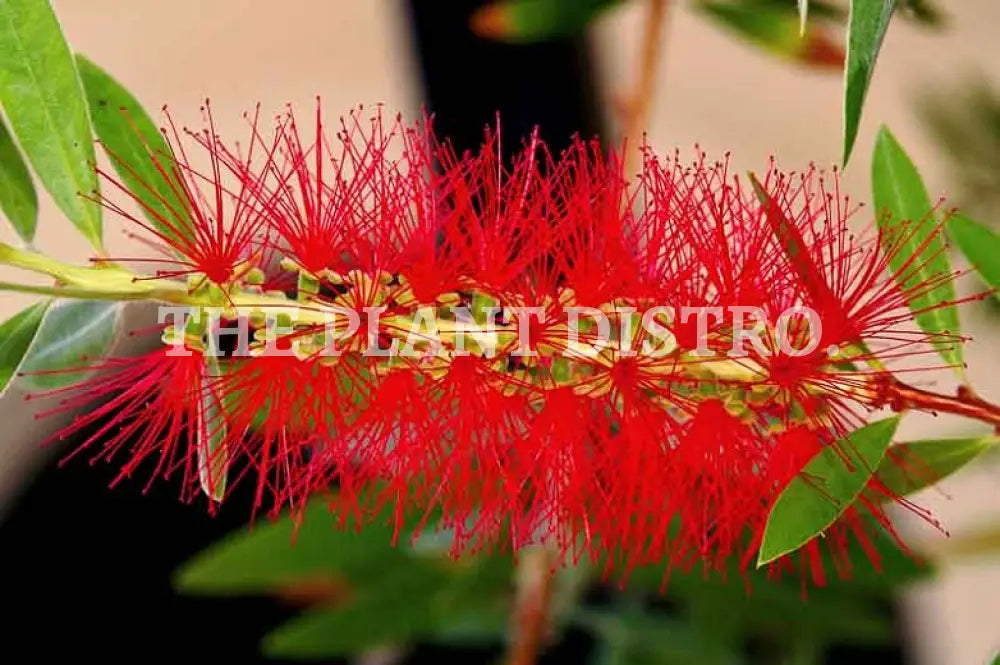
[[803, 15], [630, 636], [271, 555], [42, 97], [920, 264], [924, 12], [847, 609], [824, 489], [911, 466], [776, 28], [406, 604], [395, 610], [137, 149], [982, 542], [368, 591], [867, 25], [536, 20], [16, 334], [18, 200], [72, 334], [980, 245], [964, 120]]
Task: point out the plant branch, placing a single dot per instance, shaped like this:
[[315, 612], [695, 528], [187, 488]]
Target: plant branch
[[637, 105], [531, 606], [109, 282], [899, 396]]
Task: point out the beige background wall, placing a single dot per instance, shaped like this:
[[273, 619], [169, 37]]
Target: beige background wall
[[711, 90]]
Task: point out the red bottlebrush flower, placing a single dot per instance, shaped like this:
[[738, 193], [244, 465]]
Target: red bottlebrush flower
[[152, 412], [326, 197], [211, 226], [661, 447], [277, 405]]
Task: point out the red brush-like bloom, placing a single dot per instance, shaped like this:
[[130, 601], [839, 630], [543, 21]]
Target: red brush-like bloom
[[206, 222], [151, 412], [327, 196], [642, 435]]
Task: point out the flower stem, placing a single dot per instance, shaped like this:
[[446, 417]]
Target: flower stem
[[531, 606], [899, 396], [638, 104], [106, 281]]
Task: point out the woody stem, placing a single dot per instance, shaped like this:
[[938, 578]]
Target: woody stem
[[892, 392], [531, 606], [638, 104]]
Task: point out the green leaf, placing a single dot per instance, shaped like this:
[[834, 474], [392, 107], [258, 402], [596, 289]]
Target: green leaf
[[213, 455], [803, 15], [526, 21], [777, 28], [914, 465], [632, 635], [867, 24], [16, 334], [405, 605], [979, 244], [824, 489], [72, 333], [18, 200], [42, 97], [445, 599], [137, 149], [905, 215], [362, 626], [271, 555]]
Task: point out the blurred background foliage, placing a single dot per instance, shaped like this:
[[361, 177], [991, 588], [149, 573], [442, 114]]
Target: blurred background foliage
[[359, 594], [964, 121]]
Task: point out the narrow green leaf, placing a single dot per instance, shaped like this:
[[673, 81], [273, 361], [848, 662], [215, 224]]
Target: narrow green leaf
[[43, 99], [16, 334], [18, 200], [72, 333], [979, 244], [905, 215], [526, 21], [397, 610], [328, 633], [365, 576], [867, 24], [213, 455], [137, 149], [631, 635], [825, 488], [914, 465], [467, 603], [271, 555]]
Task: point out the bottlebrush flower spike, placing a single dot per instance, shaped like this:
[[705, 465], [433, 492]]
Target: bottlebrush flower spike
[[212, 230], [503, 344], [149, 410]]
